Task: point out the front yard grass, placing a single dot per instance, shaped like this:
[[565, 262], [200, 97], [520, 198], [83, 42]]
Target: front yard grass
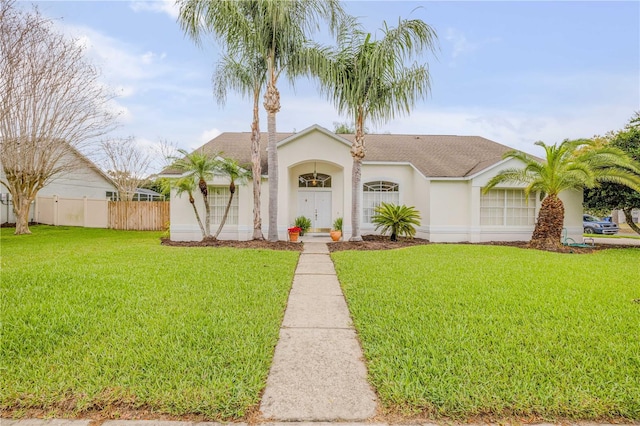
[[463, 331], [108, 321]]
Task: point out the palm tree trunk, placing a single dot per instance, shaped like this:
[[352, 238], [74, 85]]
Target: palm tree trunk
[[256, 171], [226, 210], [357, 152], [207, 218], [195, 210], [272, 105], [629, 219], [548, 231]]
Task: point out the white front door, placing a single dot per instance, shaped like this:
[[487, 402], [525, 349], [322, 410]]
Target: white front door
[[316, 205]]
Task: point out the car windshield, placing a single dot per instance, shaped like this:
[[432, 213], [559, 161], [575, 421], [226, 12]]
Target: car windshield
[[591, 219]]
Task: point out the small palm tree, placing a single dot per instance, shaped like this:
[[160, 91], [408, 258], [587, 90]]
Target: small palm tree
[[188, 185], [572, 165], [230, 168], [369, 80], [399, 220], [199, 167]]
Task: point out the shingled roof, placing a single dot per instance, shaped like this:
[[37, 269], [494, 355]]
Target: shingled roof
[[432, 155]]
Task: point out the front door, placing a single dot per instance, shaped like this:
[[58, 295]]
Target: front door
[[316, 205]]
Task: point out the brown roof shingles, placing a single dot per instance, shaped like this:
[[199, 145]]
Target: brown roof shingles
[[432, 155]]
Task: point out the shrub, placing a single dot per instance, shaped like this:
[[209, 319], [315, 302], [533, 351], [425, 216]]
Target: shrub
[[399, 220], [303, 223], [337, 224]]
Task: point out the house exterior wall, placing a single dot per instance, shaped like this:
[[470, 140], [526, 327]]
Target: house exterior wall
[[449, 211], [450, 208], [328, 155], [402, 174], [573, 210], [183, 224]]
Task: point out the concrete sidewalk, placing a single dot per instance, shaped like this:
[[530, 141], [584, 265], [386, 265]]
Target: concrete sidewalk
[[317, 373]]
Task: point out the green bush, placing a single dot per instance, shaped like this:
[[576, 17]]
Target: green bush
[[337, 224], [399, 220], [303, 223]]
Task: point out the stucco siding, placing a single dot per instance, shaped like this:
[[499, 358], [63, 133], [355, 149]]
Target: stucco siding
[[572, 201], [309, 152], [402, 174], [449, 211]]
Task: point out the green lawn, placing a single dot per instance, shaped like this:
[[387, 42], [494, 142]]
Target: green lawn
[[462, 331], [97, 319]]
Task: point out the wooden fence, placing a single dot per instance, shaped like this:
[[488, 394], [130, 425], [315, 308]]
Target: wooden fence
[[139, 215]]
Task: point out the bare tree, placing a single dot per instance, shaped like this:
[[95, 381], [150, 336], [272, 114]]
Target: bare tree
[[51, 105], [127, 164]]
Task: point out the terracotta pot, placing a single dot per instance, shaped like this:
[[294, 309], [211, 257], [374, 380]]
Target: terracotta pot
[[293, 236], [335, 235]]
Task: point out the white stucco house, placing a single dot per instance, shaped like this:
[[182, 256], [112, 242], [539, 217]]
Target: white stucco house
[[442, 176]]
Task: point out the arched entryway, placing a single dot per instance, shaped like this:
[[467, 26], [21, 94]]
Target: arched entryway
[[314, 200]]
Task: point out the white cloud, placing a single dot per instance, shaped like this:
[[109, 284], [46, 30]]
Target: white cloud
[[158, 6], [150, 57], [462, 46], [207, 135]]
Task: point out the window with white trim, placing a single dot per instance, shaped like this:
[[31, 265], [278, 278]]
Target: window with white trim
[[377, 192], [218, 199], [507, 207]]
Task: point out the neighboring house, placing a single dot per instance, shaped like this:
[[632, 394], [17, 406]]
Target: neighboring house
[[442, 176], [141, 194], [77, 198]]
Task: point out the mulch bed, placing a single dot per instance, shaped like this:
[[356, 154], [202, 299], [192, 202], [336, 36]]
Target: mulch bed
[[371, 242], [379, 242], [253, 244]]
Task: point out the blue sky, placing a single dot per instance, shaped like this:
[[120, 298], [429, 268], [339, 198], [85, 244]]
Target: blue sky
[[511, 71]]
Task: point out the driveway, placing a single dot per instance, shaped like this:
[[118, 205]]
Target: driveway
[[618, 241]]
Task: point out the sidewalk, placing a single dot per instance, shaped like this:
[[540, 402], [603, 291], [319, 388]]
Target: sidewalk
[[318, 372]]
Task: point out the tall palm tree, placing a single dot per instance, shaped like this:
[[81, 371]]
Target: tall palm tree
[[187, 184], [273, 30], [370, 81], [232, 170], [246, 75], [199, 167], [572, 165]]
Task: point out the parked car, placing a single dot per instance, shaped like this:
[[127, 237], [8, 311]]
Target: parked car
[[594, 225]]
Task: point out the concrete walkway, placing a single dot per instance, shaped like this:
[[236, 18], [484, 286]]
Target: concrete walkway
[[317, 373]]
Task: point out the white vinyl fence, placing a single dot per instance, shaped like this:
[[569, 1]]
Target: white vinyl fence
[[54, 210]]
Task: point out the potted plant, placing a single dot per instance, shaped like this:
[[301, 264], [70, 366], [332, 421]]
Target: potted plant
[[303, 223], [294, 233], [336, 232]]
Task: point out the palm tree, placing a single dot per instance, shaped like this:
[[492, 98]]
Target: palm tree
[[276, 31], [368, 79], [188, 185], [234, 172], [572, 165], [246, 75], [199, 167], [400, 220]]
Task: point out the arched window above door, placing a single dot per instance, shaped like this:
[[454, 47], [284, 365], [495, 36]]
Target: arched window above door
[[314, 180]]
